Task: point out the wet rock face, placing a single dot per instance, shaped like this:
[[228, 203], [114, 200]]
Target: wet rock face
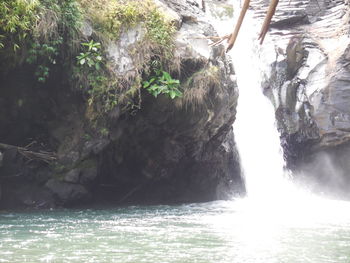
[[169, 151], [309, 85], [179, 150], [21, 183]]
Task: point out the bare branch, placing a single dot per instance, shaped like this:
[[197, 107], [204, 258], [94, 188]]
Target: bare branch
[[234, 35], [267, 21], [44, 156]]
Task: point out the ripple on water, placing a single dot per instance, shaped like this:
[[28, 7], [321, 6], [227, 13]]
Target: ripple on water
[[211, 232]]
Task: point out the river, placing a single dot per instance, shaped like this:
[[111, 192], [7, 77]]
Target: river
[[221, 231]]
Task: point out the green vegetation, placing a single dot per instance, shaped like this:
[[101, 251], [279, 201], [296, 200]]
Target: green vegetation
[[43, 56], [163, 83], [104, 132], [91, 56], [45, 37], [106, 90], [17, 18], [161, 33], [36, 32], [92, 76], [111, 17]]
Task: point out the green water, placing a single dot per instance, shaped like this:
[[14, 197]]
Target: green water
[[223, 231]]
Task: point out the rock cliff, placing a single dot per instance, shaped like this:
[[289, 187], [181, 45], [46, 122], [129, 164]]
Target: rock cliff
[[308, 83], [160, 151]]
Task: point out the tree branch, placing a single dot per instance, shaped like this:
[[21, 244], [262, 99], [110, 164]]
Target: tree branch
[[44, 156]]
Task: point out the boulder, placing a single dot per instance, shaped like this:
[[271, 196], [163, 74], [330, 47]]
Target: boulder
[[67, 193], [72, 176]]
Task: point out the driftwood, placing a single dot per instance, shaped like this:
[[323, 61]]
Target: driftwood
[[44, 156]]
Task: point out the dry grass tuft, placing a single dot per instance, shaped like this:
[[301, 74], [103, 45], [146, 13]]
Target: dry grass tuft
[[47, 25], [197, 88]]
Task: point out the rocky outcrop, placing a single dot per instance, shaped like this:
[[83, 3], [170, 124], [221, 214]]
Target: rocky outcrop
[[309, 86], [167, 151], [182, 150]]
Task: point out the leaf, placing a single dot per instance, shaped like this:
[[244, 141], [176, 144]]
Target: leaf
[[178, 93], [15, 47], [173, 81], [154, 93], [167, 76], [172, 94], [82, 61], [153, 87], [146, 84], [90, 62]]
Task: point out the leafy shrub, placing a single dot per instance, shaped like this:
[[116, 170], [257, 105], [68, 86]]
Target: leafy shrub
[[109, 17], [94, 77], [92, 56], [43, 56], [17, 18], [163, 83], [46, 34], [160, 32], [38, 32]]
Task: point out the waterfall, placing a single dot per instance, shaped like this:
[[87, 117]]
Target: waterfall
[[255, 131], [256, 135], [273, 203]]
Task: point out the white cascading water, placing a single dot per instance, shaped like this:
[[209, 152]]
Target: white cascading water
[[255, 131], [271, 196]]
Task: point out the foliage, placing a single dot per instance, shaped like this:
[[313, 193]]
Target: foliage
[[104, 131], [17, 18], [160, 32], [45, 36], [110, 17], [163, 83], [43, 56], [94, 77], [71, 17], [91, 56], [37, 32], [104, 91]]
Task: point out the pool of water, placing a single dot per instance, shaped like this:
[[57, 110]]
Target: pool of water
[[222, 231]]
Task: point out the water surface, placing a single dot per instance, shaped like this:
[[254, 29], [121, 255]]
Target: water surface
[[222, 231]]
